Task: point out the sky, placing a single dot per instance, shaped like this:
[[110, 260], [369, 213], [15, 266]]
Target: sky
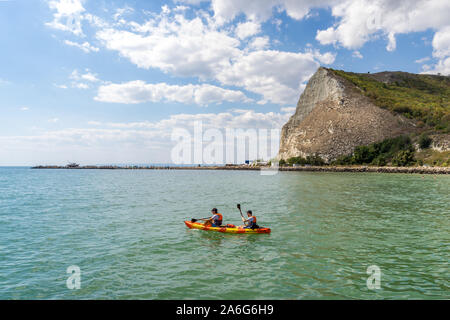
[[99, 82]]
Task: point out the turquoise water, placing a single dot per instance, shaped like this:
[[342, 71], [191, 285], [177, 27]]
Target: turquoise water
[[125, 231]]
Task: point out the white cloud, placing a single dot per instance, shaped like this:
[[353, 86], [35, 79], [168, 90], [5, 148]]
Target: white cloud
[[442, 67], [96, 21], [140, 92], [392, 44], [328, 36], [180, 8], [247, 119], [259, 43], [24, 109], [89, 140], [120, 12], [441, 42], [362, 21], [441, 51], [325, 58], [357, 54], [83, 86], [235, 118], [357, 23], [82, 80], [276, 75], [226, 10], [191, 1], [94, 123], [179, 46], [89, 77], [247, 29], [261, 10], [68, 15], [204, 47], [277, 23], [85, 46], [126, 142], [53, 120], [201, 48], [422, 60]]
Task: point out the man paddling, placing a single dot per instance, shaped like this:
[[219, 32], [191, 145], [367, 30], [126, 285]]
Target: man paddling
[[215, 220], [250, 222]]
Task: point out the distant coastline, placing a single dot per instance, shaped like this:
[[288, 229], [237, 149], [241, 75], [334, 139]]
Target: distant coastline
[[374, 169]]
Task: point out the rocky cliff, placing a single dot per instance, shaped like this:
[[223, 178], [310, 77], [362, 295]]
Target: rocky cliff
[[333, 117]]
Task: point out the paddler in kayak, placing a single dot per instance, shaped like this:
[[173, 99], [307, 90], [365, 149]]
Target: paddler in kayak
[[250, 223], [216, 219]]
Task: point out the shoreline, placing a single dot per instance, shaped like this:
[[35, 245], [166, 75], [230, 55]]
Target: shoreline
[[418, 170]]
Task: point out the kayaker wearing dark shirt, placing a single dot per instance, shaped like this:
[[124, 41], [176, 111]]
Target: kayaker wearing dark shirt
[[215, 220], [250, 223]]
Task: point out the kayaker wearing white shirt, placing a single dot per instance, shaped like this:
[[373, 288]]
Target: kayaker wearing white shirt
[[215, 220], [250, 223]]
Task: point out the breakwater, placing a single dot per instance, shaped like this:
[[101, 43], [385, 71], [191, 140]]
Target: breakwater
[[417, 170]]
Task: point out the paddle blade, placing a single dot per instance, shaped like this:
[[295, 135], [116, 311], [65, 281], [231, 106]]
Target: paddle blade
[[194, 220], [239, 206]]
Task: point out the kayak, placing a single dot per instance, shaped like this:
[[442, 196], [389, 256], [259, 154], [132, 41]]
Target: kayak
[[201, 226]]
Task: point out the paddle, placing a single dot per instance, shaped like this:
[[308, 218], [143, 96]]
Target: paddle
[[195, 220], [239, 207]]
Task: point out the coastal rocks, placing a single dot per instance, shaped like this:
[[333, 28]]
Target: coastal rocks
[[333, 117], [355, 169]]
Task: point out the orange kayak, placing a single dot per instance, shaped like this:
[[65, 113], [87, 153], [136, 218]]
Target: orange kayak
[[201, 226]]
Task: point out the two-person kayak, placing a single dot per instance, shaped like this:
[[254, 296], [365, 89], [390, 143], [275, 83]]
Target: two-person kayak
[[224, 229]]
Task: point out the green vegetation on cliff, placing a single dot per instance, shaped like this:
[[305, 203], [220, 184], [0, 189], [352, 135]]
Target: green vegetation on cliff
[[314, 160], [398, 151], [433, 158], [425, 98]]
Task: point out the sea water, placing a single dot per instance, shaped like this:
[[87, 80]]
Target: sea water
[[124, 231]]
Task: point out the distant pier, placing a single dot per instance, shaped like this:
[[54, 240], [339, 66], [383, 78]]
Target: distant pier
[[418, 170]]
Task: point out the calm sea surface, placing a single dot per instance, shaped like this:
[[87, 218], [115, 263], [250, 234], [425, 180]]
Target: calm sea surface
[[125, 231]]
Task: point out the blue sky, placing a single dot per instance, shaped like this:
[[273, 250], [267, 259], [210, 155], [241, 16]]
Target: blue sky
[[107, 81]]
